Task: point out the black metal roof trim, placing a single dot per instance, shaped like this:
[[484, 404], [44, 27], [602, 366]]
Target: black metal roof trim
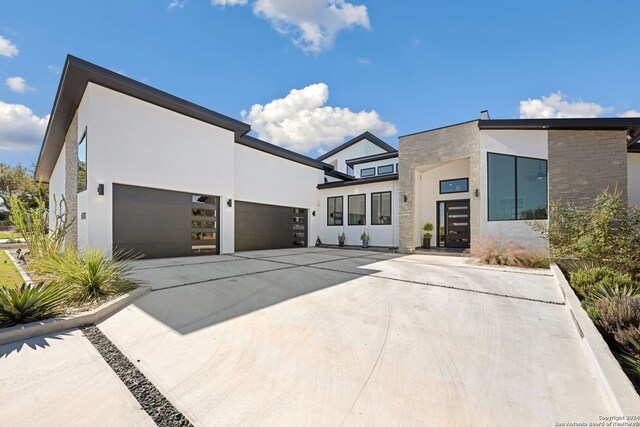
[[366, 135], [361, 181], [78, 73], [598, 123], [258, 144], [372, 158], [340, 175], [438, 128]]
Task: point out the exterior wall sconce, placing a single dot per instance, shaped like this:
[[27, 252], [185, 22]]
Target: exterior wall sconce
[[229, 202], [313, 213], [100, 189], [405, 198], [477, 192]]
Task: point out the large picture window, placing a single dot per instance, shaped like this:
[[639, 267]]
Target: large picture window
[[82, 164], [334, 210], [381, 208], [357, 209], [517, 187]]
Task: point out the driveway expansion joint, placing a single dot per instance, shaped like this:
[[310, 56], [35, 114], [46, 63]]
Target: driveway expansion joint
[[163, 413]]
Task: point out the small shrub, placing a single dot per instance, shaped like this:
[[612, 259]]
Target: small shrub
[[631, 357], [30, 303], [90, 276], [619, 316], [586, 281], [498, 251], [605, 291]]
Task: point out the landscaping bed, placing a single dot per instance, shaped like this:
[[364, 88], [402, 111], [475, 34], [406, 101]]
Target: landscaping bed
[[9, 275]]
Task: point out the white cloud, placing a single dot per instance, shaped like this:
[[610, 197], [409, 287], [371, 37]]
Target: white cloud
[[556, 106], [17, 84], [7, 48], [630, 113], [54, 69], [20, 129], [363, 61], [313, 24], [303, 123], [176, 4]]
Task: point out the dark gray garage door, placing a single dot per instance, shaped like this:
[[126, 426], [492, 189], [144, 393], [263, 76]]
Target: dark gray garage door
[[161, 223], [259, 226]]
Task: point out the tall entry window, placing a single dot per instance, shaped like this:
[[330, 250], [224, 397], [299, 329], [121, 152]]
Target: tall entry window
[[381, 208], [82, 164], [357, 209], [517, 187], [334, 210]]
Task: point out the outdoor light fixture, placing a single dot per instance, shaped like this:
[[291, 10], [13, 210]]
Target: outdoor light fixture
[[405, 198], [229, 203], [477, 192], [101, 189], [313, 213]]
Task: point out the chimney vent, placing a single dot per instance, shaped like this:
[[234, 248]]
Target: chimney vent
[[484, 115]]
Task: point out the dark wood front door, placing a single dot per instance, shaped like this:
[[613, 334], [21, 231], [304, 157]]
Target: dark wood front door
[[457, 224]]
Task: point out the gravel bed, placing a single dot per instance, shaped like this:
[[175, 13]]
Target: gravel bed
[[151, 400]]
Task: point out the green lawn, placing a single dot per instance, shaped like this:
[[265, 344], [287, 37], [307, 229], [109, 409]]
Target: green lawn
[[9, 235], [9, 275]]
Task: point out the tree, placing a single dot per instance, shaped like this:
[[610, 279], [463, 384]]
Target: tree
[[18, 182]]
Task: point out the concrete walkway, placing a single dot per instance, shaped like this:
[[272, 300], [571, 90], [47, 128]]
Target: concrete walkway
[[330, 337], [61, 380]]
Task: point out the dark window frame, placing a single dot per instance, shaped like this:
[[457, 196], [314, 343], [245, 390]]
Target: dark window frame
[[367, 169], [84, 140], [453, 179], [341, 219], [515, 177], [390, 207], [349, 206], [385, 166]]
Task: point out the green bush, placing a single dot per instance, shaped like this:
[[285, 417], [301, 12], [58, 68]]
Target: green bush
[[30, 303], [89, 276], [586, 281]]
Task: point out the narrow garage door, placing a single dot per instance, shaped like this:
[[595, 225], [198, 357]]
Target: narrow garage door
[[259, 226], [161, 223]]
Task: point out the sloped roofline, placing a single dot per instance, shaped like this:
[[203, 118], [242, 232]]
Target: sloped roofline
[[366, 135]]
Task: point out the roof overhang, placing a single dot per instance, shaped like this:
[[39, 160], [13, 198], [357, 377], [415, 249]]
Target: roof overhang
[[360, 181], [77, 74], [278, 151], [366, 135], [372, 158], [597, 123]]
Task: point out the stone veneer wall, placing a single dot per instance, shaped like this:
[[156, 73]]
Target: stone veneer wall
[[583, 163], [450, 143], [71, 180]]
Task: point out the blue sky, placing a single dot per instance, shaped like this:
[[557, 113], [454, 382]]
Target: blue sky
[[416, 64]]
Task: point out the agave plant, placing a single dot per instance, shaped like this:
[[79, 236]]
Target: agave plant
[[631, 359], [30, 303], [91, 275], [604, 291]]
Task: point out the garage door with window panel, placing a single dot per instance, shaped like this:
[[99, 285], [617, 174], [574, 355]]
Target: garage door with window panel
[[259, 226], [161, 223]]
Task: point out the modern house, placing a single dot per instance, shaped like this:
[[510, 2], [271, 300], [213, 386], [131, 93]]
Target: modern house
[[143, 170]]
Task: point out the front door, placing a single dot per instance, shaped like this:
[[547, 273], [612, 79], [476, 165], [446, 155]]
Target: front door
[[456, 223]]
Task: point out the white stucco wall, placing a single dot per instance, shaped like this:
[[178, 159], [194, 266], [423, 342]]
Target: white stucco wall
[[380, 235], [528, 143], [357, 168], [56, 187], [133, 142], [633, 183], [360, 149], [428, 185], [264, 178]]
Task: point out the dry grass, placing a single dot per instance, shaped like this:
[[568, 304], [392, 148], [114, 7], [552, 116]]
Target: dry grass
[[9, 275], [499, 251]]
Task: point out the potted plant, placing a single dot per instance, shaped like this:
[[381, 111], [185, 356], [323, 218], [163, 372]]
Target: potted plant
[[426, 237], [341, 239], [365, 239]]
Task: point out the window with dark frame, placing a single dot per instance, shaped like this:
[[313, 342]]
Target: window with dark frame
[[384, 170], [335, 210], [349, 169], [517, 188], [82, 164], [357, 209], [450, 186], [367, 172], [381, 208]]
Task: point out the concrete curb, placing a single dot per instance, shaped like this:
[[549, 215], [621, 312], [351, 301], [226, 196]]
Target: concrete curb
[[23, 273], [57, 324], [617, 390]]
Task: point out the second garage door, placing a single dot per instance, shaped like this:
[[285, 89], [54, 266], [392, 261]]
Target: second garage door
[[259, 226]]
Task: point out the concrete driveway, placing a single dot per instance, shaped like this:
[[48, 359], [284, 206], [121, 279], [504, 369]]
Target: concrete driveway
[[341, 337]]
